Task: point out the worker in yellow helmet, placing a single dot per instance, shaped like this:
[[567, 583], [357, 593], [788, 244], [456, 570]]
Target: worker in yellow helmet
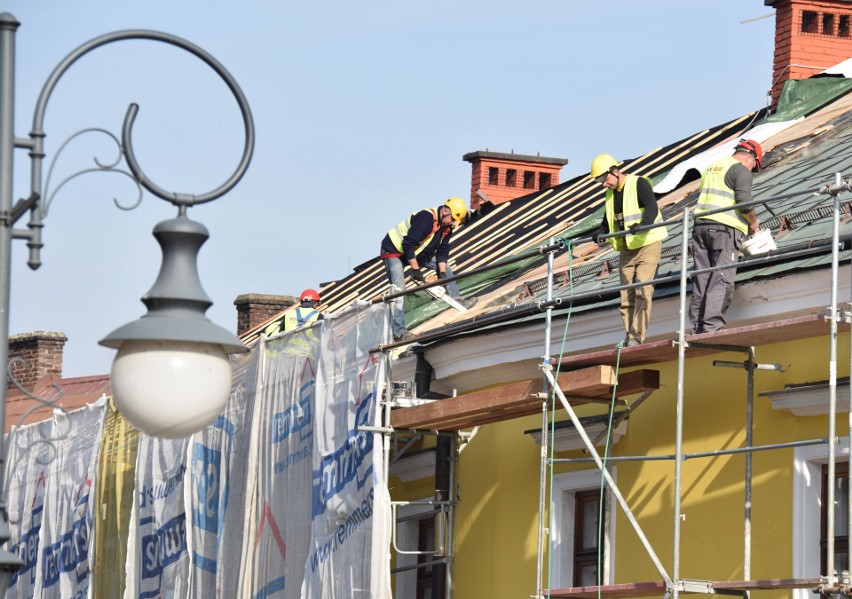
[[630, 204], [421, 240]]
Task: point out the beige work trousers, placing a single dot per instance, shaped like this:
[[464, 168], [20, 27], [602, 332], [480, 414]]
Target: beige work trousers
[[638, 266]]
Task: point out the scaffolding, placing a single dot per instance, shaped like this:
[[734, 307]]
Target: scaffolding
[[446, 419]]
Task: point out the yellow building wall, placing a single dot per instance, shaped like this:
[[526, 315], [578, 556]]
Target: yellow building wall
[[497, 517]]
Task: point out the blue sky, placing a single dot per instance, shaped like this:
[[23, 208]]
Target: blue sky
[[363, 111]]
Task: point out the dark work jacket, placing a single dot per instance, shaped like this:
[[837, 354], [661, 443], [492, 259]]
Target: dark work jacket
[[421, 227]]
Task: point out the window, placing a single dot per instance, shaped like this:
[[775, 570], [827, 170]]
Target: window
[[587, 531], [807, 501], [415, 531], [493, 175], [543, 180], [574, 552], [843, 26], [841, 512], [425, 542], [810, 21], [827, 23], [511, 177], [529, 180]]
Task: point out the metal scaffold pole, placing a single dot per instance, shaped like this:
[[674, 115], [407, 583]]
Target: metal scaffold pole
[[681, 358], [832, 380], [543, 537], [587, 442]]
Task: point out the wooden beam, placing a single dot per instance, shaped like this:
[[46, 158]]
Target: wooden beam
[[658, 588], [514, 400]]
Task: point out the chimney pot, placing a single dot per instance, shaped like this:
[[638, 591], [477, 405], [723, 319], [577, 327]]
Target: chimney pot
[[254, 309], [39, 354]]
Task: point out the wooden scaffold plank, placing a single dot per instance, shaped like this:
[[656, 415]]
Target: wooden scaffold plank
[[592, 384]]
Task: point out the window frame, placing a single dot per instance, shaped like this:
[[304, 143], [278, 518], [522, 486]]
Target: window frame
[[807, 477], [565, 487]]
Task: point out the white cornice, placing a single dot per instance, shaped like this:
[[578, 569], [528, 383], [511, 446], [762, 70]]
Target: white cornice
[[515, 353]]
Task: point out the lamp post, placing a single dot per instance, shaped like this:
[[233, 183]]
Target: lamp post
[[171, 375]]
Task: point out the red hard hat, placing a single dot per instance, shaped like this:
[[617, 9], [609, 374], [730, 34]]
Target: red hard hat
[[752, 147], [309, 294]]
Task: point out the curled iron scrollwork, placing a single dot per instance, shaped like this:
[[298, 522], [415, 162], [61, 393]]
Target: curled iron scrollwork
[[100, 167], [44, 449]]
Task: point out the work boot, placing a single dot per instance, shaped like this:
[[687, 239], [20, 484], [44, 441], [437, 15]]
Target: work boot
[[468, 302], [631, 342]]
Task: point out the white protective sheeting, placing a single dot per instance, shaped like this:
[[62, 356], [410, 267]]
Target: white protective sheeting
[[53, 466], [759, 134], [278, 529], [157, 557], [351, 522], [219, 467]]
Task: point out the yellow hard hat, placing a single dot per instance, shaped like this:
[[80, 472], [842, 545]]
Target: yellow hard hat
[[601, 165], [457, 208]]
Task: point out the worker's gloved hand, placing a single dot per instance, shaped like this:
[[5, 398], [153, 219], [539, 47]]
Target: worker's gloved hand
[[632, 229], [597, 237], [417, 276], [442, 275]]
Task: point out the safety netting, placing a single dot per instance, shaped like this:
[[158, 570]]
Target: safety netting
[[283, 496]]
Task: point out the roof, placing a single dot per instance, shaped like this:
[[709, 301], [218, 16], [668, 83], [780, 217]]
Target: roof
[[73, 393], [801, 156]]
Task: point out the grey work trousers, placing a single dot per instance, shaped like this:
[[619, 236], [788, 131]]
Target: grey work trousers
[[638, 266], [713, 244], [394, 269]]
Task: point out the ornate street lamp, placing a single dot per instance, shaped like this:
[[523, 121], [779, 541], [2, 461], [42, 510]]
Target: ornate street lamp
[[171, 375]]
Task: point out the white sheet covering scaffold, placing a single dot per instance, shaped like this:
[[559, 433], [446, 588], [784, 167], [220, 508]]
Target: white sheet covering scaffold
[[53, 466], [350, 530], [320, 524], [282, 497]]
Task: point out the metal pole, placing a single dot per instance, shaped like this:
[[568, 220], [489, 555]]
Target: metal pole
[[8, 27], [748, 465], [610, 482], [542, 488], [832, 381], [681, 359], [451, 517]]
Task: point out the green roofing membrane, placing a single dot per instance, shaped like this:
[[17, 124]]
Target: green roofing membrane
[[801, 97]]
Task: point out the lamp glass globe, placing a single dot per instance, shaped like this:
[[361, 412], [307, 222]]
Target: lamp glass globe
[[170, 389]]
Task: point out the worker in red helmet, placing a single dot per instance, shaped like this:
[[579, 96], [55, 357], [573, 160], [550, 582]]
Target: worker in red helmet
[[717, 238], [303, 314]]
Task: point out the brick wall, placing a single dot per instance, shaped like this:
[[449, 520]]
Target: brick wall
[[40, 354], [516, 175], [256, 308], [810, 36]]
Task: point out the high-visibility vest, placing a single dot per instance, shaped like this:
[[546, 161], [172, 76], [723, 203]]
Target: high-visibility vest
[[292, 320], [715, 194], [299, 318], [401, 230], [631, 212]]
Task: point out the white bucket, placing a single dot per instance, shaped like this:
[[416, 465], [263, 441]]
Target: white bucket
[[759, 243]]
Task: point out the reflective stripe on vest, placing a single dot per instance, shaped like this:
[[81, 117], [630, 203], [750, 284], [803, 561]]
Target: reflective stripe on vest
[[715, 194], [401, 230], [296, 318], [632, 212]]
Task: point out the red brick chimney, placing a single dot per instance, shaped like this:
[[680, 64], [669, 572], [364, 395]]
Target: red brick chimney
[[810, 36], [254, 309], [40, 354], [502, 177]]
